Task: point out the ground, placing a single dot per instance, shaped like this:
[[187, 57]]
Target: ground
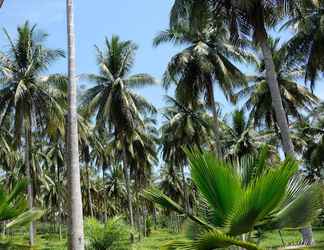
[[157, 238]]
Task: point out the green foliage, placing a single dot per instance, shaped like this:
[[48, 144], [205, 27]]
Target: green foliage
[[114, 235], [13, 206], [269, 198]]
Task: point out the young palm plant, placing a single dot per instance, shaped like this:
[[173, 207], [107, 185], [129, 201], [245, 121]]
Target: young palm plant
[[239, 199]]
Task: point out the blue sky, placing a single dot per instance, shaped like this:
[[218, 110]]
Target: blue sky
[[139, 21]]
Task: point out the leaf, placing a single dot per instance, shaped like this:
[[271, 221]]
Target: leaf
[[25, 218], [209, 241], [212, 177], [261, 198]]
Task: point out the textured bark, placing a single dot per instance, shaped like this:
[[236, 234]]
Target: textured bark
[[127, 182], [277, 105], [307, 234], [89, 189], [281, 117], [30, 192], [185, 190], [76, 237], [215, 118]]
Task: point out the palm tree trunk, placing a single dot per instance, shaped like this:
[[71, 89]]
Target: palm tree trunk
[[277, 105], [185, 191], [281, 117], [76, 237], [30, 192], [89, 189], [210, 89], [127, 182]]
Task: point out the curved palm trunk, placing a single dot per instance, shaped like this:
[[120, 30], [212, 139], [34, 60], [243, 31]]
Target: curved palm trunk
[[281, 117], [127, 182], [30, 191], [76, 238]]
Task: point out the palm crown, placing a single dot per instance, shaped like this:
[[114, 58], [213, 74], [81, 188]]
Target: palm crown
[[295, 98], [112, 98]]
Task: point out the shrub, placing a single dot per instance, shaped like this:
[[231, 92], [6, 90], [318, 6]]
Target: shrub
[[114, 235]]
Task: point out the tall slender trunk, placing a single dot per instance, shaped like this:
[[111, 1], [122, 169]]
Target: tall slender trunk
[[210, 89], [89, 188], [76, 237], [30, 192], [277, 105], [105, 216], [127, 182], [59, 198], [185, 191], [271, 76]]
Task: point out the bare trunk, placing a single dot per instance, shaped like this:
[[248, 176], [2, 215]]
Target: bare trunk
[[30, 193], [277, 105], [127, 182], [307, 234], [89, 189], [76, 237], [215, 118], [281, 117], [185, 191]]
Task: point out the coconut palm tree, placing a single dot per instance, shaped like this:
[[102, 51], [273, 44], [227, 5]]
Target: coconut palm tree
[[206, 60], [243, 18], [241, 198], [307, 43], [24, 93], [76, 236], [296, 99], [184, 126], [241, 139], [114, 103]]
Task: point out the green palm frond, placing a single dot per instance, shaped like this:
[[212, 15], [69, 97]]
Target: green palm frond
[[26, 218], [260, 198], [208, 241], [212, 177]]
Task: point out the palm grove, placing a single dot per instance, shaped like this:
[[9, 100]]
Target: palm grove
[[215, 170]]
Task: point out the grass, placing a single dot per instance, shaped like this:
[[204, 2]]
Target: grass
[[156, 240], [271, 240]]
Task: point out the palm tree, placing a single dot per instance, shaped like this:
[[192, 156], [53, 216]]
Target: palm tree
[[205, 61], [241, 139], [242, 17], [238, 199], [116, 106], [184, 126], [76, 237], [24, 93], [308, 41], [296, 99]]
